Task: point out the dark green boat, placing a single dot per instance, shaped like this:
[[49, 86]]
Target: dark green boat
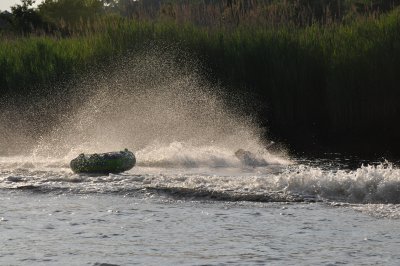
[[103, 163]]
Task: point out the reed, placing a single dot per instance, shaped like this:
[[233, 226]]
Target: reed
[[330, 81]]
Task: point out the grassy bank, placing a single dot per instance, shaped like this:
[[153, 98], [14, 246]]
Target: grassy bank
[[334, 83]]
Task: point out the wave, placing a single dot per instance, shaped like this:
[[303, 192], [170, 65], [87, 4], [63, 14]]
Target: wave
[[172, 155], [187, 155], [367, 184], [379, 184]]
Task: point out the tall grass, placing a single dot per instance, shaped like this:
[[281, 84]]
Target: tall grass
[[331, 82]]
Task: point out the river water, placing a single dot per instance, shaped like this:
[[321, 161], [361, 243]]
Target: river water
[[189, 200], [169, 212]]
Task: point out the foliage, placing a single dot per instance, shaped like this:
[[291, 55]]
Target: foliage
[[69, 13], [72, 16], [26, 19], [335, 81]]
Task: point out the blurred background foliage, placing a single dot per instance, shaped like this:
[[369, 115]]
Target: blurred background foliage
[[323, 72]]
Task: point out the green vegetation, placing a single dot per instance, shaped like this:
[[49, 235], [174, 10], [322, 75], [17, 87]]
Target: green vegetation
[[326, 71]]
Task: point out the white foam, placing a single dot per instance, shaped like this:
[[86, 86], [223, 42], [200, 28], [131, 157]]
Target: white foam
[[198, 169], [187, 155], [367, 184]]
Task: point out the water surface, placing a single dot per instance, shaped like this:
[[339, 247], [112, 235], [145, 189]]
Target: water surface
[[286, 213]]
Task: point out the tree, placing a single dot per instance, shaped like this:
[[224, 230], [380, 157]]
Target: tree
[[25, 18], [70, 13], [6, 20]]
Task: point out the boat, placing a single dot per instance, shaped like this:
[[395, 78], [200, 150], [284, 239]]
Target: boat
[[103, 163]]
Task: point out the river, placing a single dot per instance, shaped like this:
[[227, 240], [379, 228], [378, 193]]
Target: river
[[292, 212], [189, 200]]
